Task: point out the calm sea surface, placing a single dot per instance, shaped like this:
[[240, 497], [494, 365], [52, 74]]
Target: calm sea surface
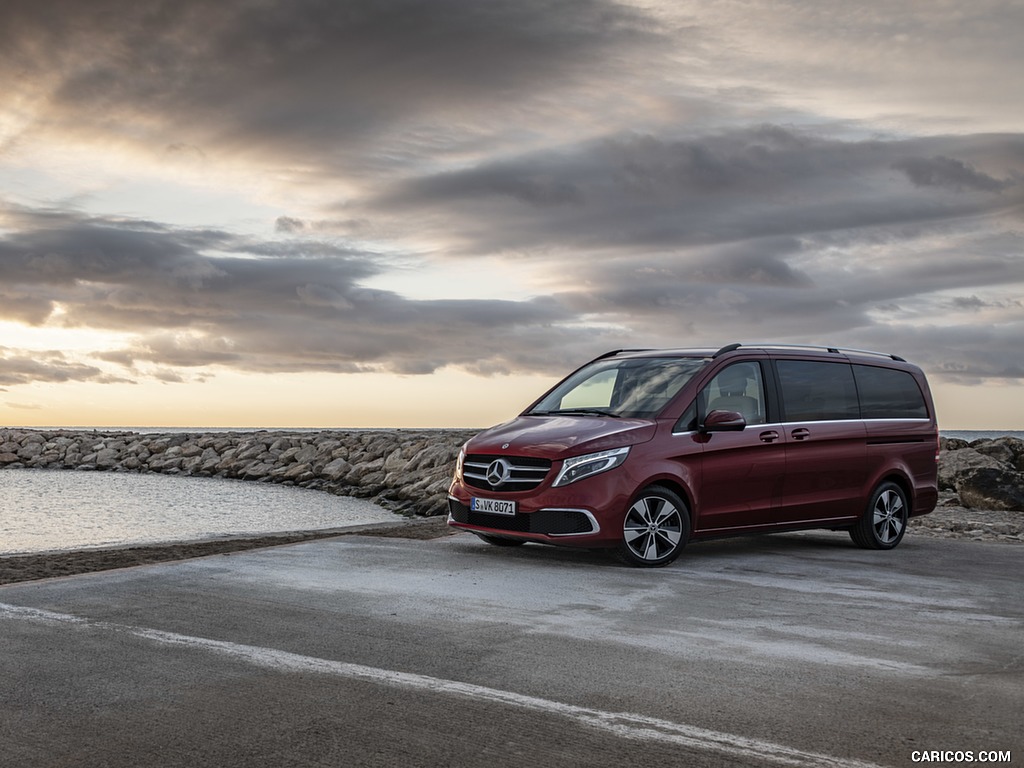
[[44, 510]]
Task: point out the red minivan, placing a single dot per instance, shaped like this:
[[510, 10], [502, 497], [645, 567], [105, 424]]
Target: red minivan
[[640, 451]]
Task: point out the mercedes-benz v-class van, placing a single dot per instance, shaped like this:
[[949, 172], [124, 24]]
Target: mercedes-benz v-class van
[[640, 451]]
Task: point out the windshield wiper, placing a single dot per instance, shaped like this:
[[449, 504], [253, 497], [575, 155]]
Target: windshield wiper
[[576, 411]]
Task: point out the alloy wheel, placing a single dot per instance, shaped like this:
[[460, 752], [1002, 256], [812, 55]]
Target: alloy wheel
[[654, 529], [888, 516]]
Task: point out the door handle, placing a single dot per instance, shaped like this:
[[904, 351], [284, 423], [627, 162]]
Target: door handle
[[769, 437], [800, 434]]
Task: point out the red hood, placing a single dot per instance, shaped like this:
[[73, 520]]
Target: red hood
[[556, 437]]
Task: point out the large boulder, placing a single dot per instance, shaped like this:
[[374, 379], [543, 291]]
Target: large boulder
[[30, 449], [1016, 446], [952, 443], [336, 469], [954, 463], [1001, 452], [306, 454], [991, 488], [107, 457]]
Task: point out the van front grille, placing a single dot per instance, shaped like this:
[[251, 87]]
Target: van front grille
[[507, 474]]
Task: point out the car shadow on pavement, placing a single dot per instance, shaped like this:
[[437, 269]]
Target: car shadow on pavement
[[791, 543]]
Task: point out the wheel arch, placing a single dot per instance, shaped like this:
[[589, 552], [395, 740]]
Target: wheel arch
[[671, 484], [877, 527], [899, 478]]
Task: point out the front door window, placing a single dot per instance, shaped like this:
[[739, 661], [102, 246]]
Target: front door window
[[739, 388]]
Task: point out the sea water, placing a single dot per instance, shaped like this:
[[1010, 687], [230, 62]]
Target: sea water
[[51, 510]]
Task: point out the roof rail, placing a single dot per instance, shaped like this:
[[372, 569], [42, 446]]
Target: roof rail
[[614, 352], [726, 348], [833, 350]]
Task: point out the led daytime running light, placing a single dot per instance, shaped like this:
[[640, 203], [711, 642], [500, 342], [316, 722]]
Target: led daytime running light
[[579, 467]]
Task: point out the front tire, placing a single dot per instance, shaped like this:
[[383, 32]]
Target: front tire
[[655, 529], [885, 521]]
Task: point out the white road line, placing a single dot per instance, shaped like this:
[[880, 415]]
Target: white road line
[[622, 724]]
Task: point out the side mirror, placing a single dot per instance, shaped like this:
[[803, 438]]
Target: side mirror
[[724, 421]]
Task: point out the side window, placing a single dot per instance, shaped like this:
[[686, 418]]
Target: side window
[[740, 388], [688, 421], [817, 391], [886, 393]]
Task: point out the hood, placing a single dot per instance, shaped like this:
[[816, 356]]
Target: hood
[[557, 437]]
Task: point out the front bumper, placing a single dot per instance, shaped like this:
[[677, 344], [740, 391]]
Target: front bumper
[[555, 523], [585, 514]]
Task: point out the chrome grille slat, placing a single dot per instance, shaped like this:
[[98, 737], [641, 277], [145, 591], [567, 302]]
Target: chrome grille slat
[[525, 472]]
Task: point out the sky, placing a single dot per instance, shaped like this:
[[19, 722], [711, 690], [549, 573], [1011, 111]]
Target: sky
[[422, 213]]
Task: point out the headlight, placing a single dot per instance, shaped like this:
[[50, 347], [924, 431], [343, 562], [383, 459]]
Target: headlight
[[579, 467], [459, 462]]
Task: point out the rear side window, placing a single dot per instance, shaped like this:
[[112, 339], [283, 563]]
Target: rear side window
[[886, 393], [817, 391]]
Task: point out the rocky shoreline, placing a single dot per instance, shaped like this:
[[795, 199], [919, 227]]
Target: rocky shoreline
[[406, 471]]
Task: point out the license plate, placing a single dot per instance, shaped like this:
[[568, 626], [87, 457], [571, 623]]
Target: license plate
[[493, 506]]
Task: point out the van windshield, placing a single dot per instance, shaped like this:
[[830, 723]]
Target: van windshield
[[627, 387]]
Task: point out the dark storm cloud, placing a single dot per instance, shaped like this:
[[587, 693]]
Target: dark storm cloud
[[767, 232], [788, 288], [960, 352], [292, 78], [650, 192], [199, 298], [947, 172]]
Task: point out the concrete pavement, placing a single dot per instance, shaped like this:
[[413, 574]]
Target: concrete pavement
[[793, 649]]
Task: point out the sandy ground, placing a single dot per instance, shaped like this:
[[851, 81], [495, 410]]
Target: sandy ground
[[947, 521]]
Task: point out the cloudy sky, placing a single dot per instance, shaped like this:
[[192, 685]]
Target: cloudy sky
[[422, 212]]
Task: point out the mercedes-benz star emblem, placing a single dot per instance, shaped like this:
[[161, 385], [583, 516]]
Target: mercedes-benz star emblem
[[498, 473]]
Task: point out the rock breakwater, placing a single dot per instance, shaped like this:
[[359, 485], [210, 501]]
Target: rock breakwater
[[407, 471]]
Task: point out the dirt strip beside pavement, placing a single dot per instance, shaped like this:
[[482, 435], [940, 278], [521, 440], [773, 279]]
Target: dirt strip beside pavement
[[19, 568]]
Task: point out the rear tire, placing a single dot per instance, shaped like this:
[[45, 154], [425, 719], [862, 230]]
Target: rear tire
[[655, 529], [499, 541], [884, 521]]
